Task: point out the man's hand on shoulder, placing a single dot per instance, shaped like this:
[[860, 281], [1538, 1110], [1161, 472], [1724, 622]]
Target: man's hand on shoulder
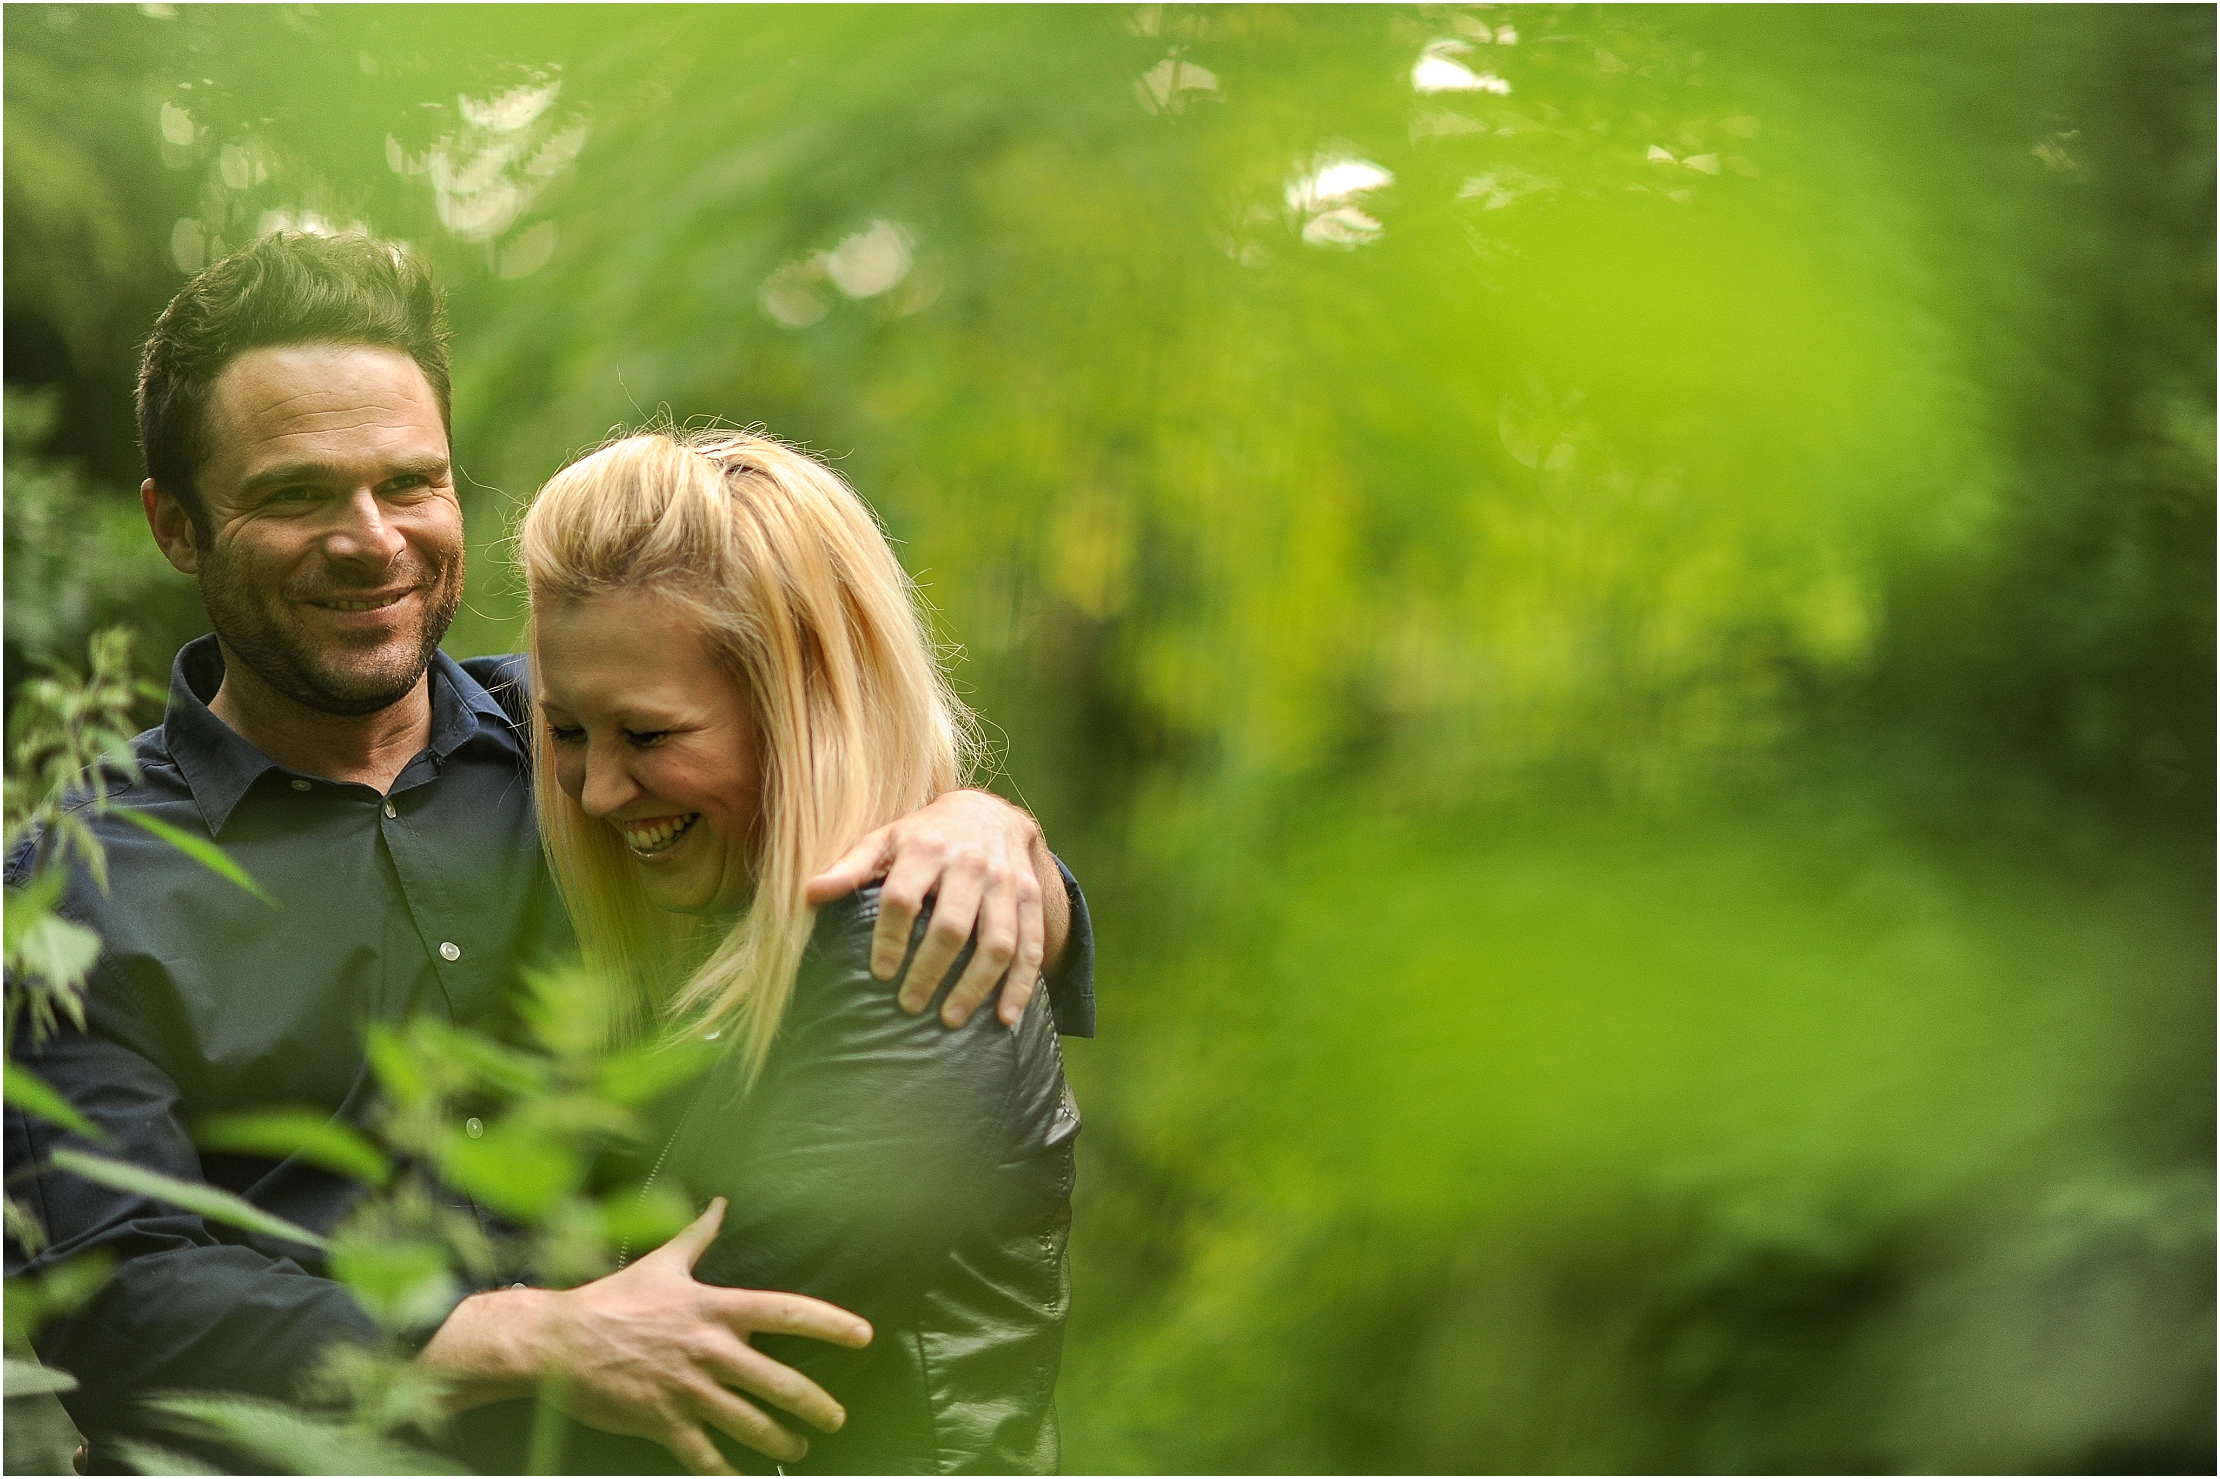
[[651, 1352], [985, 864]]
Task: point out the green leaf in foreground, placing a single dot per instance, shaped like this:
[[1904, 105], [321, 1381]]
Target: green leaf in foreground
[[153, 1458], [29, 1379], [193, 1196], [33, 1095], [55, 1290], [286, 1441], [314, 1137], [54, 951], [205, 853], [646, 1074]]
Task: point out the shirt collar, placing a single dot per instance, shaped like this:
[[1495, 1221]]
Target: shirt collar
[[220, 766]]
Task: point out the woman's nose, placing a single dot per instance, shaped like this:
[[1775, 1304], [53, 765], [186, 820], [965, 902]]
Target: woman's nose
[[609, 785]]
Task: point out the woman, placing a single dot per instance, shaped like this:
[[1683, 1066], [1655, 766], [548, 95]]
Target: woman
[[736, 684]]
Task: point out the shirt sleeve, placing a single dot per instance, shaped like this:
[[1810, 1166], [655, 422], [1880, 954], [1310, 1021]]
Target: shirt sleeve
[[189, 1304], [1071, 985]]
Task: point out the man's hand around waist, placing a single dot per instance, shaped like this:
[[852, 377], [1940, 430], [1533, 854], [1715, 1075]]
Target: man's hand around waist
[[651, 1352], [988, 869]]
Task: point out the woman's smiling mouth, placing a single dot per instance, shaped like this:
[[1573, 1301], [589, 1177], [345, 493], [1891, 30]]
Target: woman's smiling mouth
[[659, 834]]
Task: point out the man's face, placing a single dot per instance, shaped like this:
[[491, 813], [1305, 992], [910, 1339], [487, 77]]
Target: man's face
[[333, 560]]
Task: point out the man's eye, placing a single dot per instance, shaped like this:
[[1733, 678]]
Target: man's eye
[[293, 495]]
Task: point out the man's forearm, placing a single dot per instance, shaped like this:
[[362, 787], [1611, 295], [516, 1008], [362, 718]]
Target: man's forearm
[[489, 1348]]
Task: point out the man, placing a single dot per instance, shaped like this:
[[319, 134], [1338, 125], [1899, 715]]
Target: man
[[293, 406]]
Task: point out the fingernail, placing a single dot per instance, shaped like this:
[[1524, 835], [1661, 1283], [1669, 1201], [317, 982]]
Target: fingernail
[[862, 1332], [953, 1017]]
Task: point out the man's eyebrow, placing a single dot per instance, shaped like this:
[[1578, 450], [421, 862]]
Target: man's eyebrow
[[431, 469]]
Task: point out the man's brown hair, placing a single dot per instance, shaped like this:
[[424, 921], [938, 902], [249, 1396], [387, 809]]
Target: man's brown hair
[[287, 288]]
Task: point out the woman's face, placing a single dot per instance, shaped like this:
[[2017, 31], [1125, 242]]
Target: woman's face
[[655, 739]]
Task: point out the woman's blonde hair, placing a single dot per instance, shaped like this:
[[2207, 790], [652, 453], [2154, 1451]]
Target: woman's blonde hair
[[794, 587]]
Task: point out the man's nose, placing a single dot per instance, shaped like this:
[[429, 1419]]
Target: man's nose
[[609, 785], [362, 532]]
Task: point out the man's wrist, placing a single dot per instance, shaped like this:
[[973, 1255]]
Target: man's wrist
[[492, 1347]]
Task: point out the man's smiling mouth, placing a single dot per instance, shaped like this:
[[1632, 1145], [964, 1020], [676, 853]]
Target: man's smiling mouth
[[660, 835], [372, 603]]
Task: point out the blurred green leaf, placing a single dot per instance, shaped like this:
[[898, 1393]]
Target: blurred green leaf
[[400, 1283], [644, 1075], [42, 944], [314, 1137], [290, 1442], [201, 851], [31, 1094], [393, 1059], [575, 1118], [194, 1196], [646, 1219], [28, 1379], [56, 1290], [569, 1009], [516, 1173], [153, 1458], [501, 1067]]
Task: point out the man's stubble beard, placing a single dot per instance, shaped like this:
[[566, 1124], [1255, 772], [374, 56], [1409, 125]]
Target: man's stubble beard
[[250, 635]]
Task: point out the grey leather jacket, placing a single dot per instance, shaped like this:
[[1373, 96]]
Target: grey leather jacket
[[917, 1176]]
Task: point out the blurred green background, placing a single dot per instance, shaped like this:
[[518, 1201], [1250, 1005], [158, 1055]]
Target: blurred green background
[[1615, 606]]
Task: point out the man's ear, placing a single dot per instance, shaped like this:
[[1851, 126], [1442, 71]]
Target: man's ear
[[172, 526]]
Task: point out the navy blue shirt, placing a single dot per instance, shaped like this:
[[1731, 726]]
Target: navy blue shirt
[[206, 999]]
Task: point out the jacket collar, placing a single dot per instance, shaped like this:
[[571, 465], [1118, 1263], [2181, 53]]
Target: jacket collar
[[220, 767]]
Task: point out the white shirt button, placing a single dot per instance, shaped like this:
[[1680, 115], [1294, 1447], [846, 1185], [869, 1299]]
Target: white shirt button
[[474, 1127], [389, 811], [300, 785], [449, 950]]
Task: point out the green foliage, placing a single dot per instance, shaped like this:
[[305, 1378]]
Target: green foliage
[[54, 1290], [29, 1379], [31, 1094], [286, 1441], [1638, 730], [315, 1138], [197, 1197], [207, 854]]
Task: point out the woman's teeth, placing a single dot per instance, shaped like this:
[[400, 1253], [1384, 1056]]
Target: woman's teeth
[[653, 837]]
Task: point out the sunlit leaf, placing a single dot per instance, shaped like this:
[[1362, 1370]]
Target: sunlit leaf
[[56, 951], [194, 1196], [201, 851], [33, 1095], [312, 1136]]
